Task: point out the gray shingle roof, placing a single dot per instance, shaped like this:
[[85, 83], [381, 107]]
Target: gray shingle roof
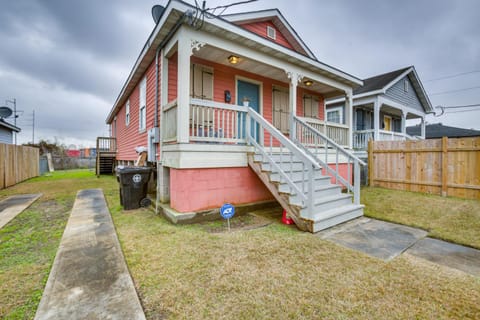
[[438, 130], [379, 82]]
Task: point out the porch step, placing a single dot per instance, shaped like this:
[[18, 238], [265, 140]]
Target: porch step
[[319, 192], [327, 203], [336, 216], [299, 175], [321, 181]]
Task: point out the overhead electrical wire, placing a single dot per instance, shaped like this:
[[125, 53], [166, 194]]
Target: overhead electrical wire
[[197, 18], [453, 76], [453, 91]]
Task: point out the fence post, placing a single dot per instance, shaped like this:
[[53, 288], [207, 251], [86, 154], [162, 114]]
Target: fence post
[[444, 166], [370, 163], [356, 181]]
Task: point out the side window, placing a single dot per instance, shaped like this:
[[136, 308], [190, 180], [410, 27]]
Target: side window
[[280, 109], [335, 114], [127, 113], [310, 106], [201, 82], [142, 118]]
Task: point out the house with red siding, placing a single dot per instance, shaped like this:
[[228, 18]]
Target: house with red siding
[[231, 109]]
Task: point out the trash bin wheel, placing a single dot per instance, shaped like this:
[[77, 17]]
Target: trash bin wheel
[[145, 202]]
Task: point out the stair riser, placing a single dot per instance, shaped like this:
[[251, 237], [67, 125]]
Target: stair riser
[[319, 208], [277, 158], [285, 188], [317, 194], [333, 221], [295, 176], [298, 166]]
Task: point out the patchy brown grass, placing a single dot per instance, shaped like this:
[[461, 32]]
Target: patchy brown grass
[[452, 219], [277, 272]]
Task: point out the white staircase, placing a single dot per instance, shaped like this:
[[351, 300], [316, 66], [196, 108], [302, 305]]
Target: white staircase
[[293, 174]]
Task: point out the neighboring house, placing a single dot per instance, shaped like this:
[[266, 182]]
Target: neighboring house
[[438, 130], [221, 103], [382, 106], [6, 132]]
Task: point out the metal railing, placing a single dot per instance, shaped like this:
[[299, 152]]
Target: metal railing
[[276, 144], [318, 145], [361, 137], [335, 131]]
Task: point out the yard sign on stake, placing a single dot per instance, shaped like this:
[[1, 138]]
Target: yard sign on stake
[[227, 211]]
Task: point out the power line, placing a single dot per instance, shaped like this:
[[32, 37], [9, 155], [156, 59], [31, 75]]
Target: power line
[[462, 111], [453, 91], [452, 76], [464, 106]]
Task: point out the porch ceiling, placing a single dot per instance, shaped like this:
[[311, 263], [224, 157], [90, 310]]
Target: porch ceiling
[[220, 56]]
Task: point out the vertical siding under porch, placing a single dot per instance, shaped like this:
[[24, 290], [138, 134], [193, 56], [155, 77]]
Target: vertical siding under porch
[[200, 189]]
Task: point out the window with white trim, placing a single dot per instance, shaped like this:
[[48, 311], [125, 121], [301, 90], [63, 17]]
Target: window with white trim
[[335, 114], [201, 82], [310, 106], [280, 109], [271, 33], [405, 85], [127, 113], [142, 114]]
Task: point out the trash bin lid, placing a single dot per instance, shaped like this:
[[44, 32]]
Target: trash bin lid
[[121, 170]]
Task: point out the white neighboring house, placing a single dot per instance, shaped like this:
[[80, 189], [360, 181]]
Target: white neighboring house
[[6, 132], [382, 105]]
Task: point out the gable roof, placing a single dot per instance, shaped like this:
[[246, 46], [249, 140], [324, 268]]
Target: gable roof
[[438, 130], [10, 126], [175, 15], [381, 83], [276, 17]]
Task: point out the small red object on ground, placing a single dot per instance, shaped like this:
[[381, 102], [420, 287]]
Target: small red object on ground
[[286, 220]]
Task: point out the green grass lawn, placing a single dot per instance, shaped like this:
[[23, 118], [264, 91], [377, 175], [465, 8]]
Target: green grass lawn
[[273, 272], [452, 219]]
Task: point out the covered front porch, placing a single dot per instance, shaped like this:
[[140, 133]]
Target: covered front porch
[[382, 119]]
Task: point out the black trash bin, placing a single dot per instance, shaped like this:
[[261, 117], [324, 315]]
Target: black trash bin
[[133, 186]]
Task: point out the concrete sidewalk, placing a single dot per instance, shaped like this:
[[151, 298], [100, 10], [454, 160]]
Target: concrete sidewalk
[[12, 206], [387, 240], [89, 278]]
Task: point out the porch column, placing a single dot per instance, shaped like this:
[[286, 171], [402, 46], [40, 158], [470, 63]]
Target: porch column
[[404, 121], [423, 128], [294, 79], [349, 116], [376, 119], [183, 90]]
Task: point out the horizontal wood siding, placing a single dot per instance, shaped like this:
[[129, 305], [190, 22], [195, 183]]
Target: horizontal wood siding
[[17, 163], [260, 28], [172, 77], [410, 98], [6, 135], [439, 166], [129, 137]]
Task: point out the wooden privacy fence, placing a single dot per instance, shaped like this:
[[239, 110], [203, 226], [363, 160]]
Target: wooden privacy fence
[[17, 163], [441, 166]]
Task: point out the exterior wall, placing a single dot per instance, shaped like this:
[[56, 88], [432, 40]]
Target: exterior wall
[[343, 170], [260, 28], [409, 99], [6, 135], [200, 189], [172, 77], [129, 137]]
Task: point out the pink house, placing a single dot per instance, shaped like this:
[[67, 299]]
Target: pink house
[[232, 109]]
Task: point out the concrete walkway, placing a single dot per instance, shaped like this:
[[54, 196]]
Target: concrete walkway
[[12, 206], [89, 278], [386, 241]]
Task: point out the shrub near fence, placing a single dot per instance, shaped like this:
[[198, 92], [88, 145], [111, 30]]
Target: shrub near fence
[[17, 163], [440, 166]]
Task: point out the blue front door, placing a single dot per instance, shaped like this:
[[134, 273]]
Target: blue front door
[[247, 91]]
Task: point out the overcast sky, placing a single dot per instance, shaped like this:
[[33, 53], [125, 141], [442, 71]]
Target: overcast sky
[[68, 60]]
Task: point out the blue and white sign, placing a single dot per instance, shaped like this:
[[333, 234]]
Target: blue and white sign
[[227, 211]]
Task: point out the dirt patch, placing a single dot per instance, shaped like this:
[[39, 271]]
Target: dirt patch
[[249, 221]]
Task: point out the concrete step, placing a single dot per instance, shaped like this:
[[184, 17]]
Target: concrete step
[[327, 203], [336, 216]]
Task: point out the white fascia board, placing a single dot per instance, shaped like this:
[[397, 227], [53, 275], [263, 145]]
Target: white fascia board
[[261, 57], [263, 14], [399, 106], [423, 92]]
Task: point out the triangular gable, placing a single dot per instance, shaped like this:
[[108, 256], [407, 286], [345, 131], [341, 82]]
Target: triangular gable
[[258, 22]]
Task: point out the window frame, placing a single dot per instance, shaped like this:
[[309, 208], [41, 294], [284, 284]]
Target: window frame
[[203, 69], [277, 122], [335, 109], [314, 101], [142, 107], [271, 33], [127, 113]]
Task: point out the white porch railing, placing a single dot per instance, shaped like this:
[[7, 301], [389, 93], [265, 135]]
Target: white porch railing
[[217, 122], [317, 145], [335, 131], [361, 138], [169, 121]]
